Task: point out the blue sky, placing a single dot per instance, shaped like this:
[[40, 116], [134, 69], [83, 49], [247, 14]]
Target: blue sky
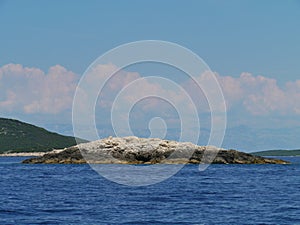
[[261, 37], [233, 37]]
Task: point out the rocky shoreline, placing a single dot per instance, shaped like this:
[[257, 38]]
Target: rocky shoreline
[[134, 150]]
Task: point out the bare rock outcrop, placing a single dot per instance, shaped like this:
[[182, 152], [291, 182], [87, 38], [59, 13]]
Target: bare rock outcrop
[[134, 150]]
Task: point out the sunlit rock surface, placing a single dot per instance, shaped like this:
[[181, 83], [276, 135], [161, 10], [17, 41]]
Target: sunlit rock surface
[[134, 150]]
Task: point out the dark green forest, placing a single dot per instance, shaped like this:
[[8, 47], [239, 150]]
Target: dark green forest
[[17, 136]]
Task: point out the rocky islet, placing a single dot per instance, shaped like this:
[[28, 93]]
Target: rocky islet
[[134, 150]]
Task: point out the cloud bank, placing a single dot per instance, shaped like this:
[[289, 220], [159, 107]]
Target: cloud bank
[[33, 91], [30, 90], [260, 95]]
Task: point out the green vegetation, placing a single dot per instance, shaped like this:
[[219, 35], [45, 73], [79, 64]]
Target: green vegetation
[[277, 153], [16, 136]]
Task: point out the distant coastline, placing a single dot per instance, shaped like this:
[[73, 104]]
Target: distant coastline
[[33, 154], [16, 154], [277, 153]]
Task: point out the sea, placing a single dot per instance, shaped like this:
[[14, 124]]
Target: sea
[[221, 194]]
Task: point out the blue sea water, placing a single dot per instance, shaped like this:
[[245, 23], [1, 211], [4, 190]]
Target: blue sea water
[[222, 194]]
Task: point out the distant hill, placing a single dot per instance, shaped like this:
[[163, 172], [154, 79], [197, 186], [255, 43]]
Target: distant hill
[[277, 153], [17, 136]]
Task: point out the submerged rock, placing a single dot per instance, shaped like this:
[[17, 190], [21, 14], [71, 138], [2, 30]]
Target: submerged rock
[[134, 150]]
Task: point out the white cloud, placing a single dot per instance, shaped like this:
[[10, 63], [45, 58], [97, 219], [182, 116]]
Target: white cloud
[[261, 95], [121, 84], [30, 90]]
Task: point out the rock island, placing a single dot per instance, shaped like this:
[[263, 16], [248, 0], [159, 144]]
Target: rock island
[[134, 150]]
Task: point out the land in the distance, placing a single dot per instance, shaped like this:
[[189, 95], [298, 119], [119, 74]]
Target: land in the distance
[[277, 153], [20, 137]]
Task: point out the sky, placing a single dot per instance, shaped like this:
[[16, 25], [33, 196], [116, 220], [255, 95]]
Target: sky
[[251, 46]]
